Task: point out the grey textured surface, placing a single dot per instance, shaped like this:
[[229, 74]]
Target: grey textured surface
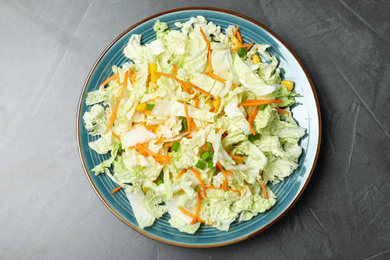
[[48, 208]]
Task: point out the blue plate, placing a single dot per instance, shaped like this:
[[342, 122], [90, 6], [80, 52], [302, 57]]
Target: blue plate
[[306, 112]]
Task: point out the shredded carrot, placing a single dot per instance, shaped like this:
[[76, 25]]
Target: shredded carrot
[[230, 189], [199, 89], [116, 189], [183, 85], [235, 31], [158, 157], [197, 208], [185, 212], [263, 187], [161, 139], [188, 119], [205, 147], [210, 187], [196, 101], [220, 168], [200, 180], [133, 76], [115, 76], [113, 115], [282, 111], [217, 106], [253, 119], [258, 102], [171, 143], [147, 112], [166, 75], [216, 77], [250, 114], [237, 157], [224, 184], [239, 36], [249, 45], [181, 173], [174, 68], [221, 128], [114, 134], [209, 67]]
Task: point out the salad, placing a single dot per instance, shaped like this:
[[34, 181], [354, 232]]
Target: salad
[[195, 125]]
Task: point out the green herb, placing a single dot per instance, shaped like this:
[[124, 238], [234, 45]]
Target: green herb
[[175, 146], [209, 146], [159, 182], [242, 52], [149, 107], [210, 165], [253, 138], [206, 155], [200, 164], [184, 124]]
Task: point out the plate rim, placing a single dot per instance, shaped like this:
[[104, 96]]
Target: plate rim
[[81, 153]]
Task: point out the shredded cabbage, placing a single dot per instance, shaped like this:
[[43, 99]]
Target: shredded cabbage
[[177, 132]]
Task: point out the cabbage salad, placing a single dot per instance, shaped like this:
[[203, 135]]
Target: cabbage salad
[[195, 125]]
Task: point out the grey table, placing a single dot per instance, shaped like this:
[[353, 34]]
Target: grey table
[[48, 208]]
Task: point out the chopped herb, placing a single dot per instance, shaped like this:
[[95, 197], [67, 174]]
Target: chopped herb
[[242, 52], [184, 125], [159, 182], [253, 138], [200, 164], [149, 107], [175, 146], [206, 155], [210, 165]]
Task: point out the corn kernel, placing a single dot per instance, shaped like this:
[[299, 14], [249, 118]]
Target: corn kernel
[[216, 102], [238, 44], [152, 85], [158, 128], [211, 106], [288, 84], [152, 68], [140, 107], [144, 189], [154, 77], [256, 59], [234, 40]]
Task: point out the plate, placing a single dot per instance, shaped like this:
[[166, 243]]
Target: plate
[[306, 113]]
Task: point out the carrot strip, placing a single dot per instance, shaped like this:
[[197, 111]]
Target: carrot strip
[[160, 156], [258, 102], [230, 189], [133, 76], [235, 31], [174, 68], [185, 212], [205, 147], [237, 157], [200, 180], [116, 189], [282, 111], [171, 143], [220, 168], [249, 45], [114, 134], [239, 36], [199, 89], [165, 75], [115, 76], [210, 187], [205, 38], [252, 119], [224, 184], [196, 101], [197, 208], [181, 173], [188, 119], [263, 187], [160, 140], [216, 77]]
